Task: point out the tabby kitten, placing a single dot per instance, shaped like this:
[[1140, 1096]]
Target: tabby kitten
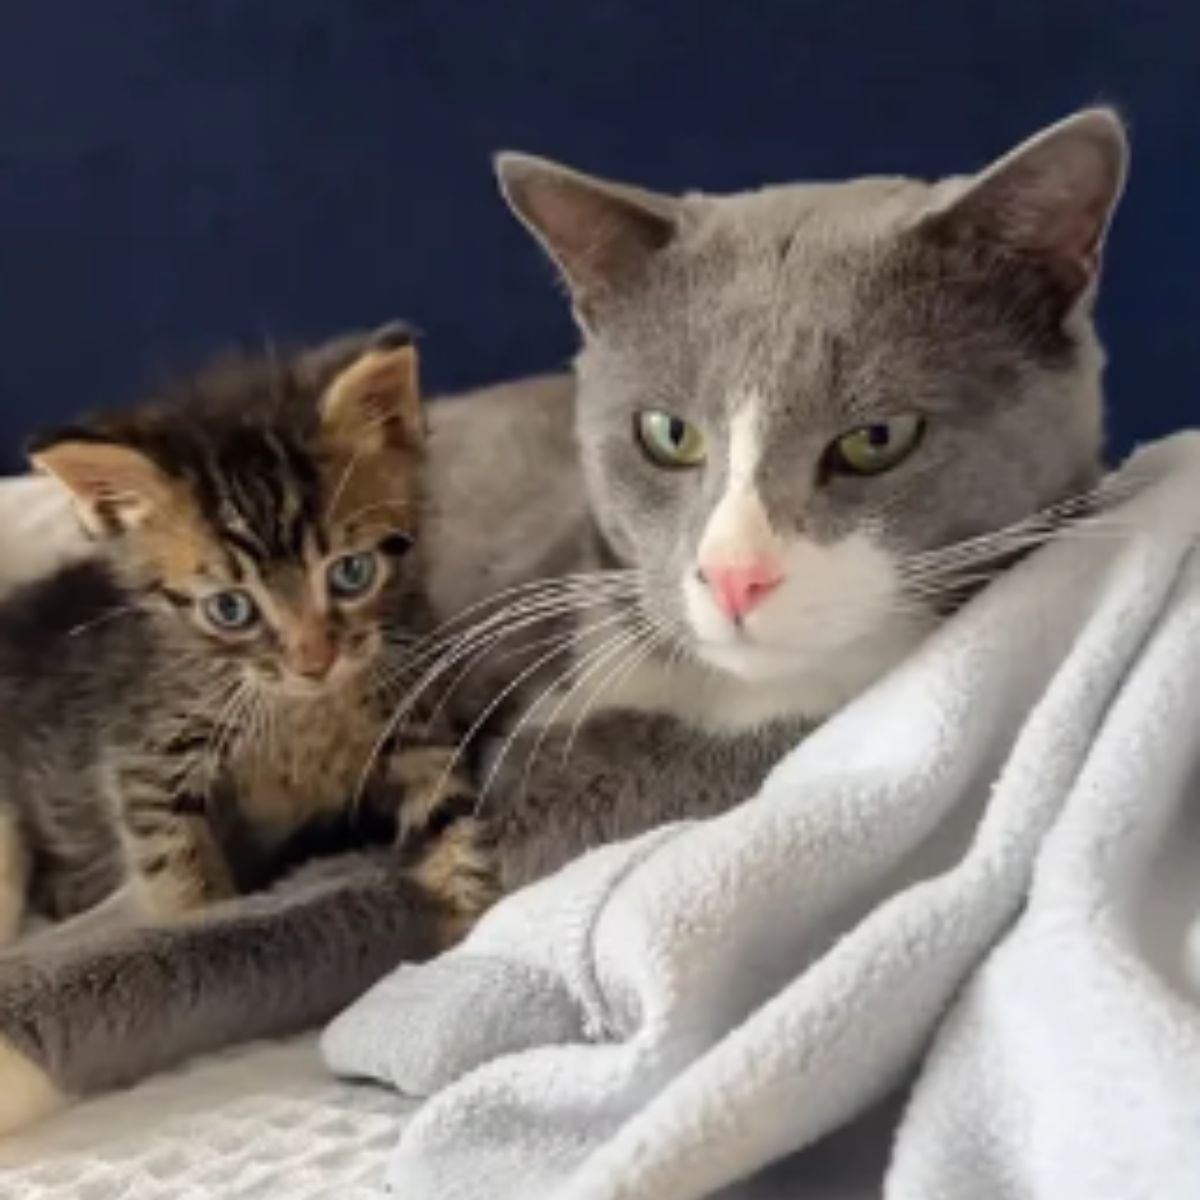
[[181, 708], [804, 420]]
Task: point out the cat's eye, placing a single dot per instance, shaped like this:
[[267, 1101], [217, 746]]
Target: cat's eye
[[873, 449], [352, 575], [668, 440], [231, 611]]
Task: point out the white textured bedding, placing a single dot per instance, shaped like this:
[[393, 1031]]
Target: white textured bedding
[[264, 1121]]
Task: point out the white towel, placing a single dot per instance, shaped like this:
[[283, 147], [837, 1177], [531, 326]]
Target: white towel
[[984, 874]]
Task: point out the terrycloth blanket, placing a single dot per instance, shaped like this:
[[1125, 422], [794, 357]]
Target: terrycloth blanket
[[976, 892]]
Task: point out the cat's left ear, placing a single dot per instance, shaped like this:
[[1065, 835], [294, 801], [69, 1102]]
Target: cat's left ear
[[374, 403], [1050, 200], [602, 235], [115, 487]]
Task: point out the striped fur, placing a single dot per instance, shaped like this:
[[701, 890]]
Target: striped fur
[[143, 740]]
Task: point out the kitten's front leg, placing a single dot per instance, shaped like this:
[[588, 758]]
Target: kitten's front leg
[[434, 802], [173, 854]]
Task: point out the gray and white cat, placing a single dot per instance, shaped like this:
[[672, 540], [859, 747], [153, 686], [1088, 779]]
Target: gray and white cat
[[807, 422]]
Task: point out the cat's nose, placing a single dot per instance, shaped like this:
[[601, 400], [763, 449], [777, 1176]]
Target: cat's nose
[[740, 587]]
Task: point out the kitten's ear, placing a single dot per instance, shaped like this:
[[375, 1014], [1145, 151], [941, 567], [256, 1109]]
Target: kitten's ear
[[375, 403], [601, 235], [1052, 198], [115, 487]]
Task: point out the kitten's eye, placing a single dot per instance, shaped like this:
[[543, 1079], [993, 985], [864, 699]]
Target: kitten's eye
[[233, 611], [876, 448], [669, 441], [352, 574]]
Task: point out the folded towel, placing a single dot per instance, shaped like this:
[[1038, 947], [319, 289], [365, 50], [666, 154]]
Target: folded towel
[[983, 875]]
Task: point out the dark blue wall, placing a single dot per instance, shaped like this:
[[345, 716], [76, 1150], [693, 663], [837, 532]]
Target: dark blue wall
[[179, 173]]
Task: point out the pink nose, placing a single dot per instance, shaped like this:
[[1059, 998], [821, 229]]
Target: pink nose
[[740, 588]]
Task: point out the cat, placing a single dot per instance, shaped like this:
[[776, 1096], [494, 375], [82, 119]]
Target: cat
[[195, 705], [806, 422]]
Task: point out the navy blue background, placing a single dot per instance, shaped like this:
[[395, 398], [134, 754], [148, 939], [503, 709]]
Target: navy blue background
[[175, 174]]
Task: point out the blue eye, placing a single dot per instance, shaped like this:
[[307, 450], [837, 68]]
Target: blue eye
[[352, 574], [233, 611]]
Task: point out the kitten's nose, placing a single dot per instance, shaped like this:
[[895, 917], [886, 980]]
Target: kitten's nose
[[312, 656], [740, 587]]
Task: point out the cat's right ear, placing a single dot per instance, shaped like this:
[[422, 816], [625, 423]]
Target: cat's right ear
[[601, 235], [115, 487]]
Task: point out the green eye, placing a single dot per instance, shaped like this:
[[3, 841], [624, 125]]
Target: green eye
[[669, 441], [352, 575], [232, 611], [873, 449]]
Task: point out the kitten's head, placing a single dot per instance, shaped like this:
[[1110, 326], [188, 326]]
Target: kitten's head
[[786, 396], [266, 508]]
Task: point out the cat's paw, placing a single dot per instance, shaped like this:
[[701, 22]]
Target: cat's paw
[[430, 789], [27, 1093]]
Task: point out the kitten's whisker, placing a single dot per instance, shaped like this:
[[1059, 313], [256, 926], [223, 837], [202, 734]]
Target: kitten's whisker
[[402, 510], [225, 729], [102, 619], [342, 483]]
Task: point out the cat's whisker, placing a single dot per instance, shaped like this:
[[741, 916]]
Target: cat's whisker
[[652, 640], [494, 639], [489, 709], [478, 639], [1076, 517], [581, 667], [617, 580], [613, 647]]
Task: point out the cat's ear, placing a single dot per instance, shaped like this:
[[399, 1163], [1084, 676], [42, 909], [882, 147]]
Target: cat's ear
[[374, 403], [115, 487], [601, 235], [1051, 199]]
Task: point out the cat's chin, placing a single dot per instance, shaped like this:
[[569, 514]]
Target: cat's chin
[[753, 663], [812, 680]]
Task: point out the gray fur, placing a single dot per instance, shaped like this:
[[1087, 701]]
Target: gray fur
[[832, 305]]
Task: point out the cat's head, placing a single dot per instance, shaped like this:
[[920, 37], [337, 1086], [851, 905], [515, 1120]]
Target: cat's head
[[787, 396], [265, 509]]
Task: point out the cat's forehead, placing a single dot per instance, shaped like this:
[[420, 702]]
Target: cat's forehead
[[811, 218], [810, 295]]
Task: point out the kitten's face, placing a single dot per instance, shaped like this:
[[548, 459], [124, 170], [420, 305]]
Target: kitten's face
[[270, 513], [302, 596], [787, 396]]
